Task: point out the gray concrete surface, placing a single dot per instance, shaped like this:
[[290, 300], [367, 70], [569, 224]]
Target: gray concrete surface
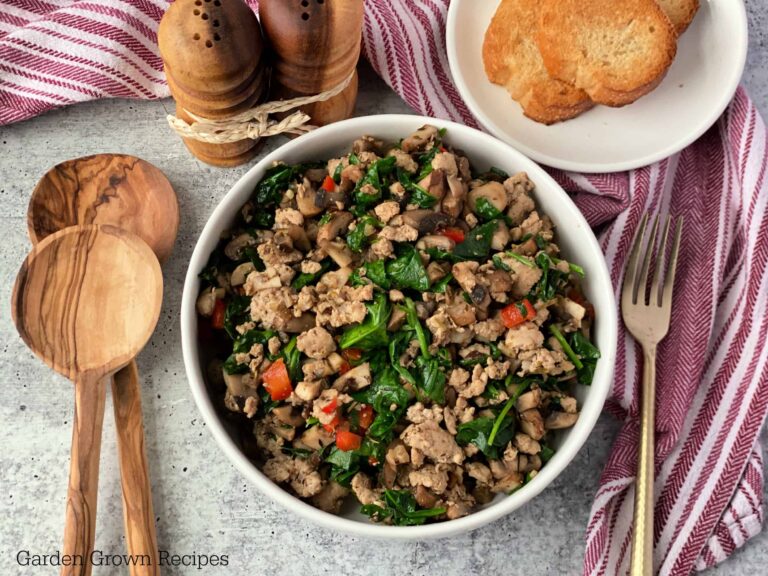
[[203, 506]]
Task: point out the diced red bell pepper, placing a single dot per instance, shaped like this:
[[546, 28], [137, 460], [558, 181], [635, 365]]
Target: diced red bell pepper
[[330, 407], [217, 318], [373, 461], [352, 354], [365, 416], [328, 184], [517, 313], [455, 234], [443, 149], [344, 368], [276, 380], [346, 440], [333, 424]]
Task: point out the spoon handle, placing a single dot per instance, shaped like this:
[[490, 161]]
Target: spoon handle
[[80, 518], [138, 513]]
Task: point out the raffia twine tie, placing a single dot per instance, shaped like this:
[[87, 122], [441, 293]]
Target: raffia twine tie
[[255, 122]]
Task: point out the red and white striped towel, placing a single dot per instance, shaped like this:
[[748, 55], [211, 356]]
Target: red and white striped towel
[[713, 366]]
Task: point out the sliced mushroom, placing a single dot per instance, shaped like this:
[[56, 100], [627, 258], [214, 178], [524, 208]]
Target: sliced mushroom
[[396, 320], [299, 237], [239, 384], [462, 313], [529, 400], [434, 184], [336, 361], [314, 438], [419, 139], [436, 271], [436, 241], [301, 324], [493, 192], [288, 415], [426, 221], [510, 482], [206, 302], [397, 453], [338, 223], [356, 379], [309, 201], [315, 174], [234, 249], [559, 420], [480, 296], [500, 237], [339, 251], [532, 423], [445, 161], [424, 497], [453, 201], [240, 273], [308, 390], [499, 281], [388, 475]]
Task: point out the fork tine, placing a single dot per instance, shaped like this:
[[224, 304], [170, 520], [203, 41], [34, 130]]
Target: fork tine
[[669, 281], [634, 256], [656, 289], [649, 250]]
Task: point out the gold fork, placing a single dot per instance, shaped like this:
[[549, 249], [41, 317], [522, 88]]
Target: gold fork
[[646, 316]]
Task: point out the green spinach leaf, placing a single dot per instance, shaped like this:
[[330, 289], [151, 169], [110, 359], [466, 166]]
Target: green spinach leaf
[[358, 238], [305, 279], [480, 433], [477, 243], [431, 378], [374, 177], [372, 331], [589, 355], [243, 343], [292, 357], [401, 509], [237, 312], [407, 270]]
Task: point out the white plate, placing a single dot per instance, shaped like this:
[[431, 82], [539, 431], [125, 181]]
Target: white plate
[[702, 80]]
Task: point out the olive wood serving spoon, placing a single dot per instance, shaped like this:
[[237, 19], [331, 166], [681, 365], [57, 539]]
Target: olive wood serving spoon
[[134, 195], [86, 301]]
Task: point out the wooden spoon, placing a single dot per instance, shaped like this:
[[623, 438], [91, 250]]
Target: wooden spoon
[[86, 300], [130, 193]]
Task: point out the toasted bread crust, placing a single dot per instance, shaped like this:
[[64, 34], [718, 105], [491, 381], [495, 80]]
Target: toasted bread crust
[[512, 59], [615, 51], [680, 12]]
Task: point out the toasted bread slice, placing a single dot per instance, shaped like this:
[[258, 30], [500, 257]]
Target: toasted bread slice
[[680, 12], [513, 60], [616, 51]]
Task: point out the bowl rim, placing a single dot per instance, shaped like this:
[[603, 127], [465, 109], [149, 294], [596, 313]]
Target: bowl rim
[[220, 218]]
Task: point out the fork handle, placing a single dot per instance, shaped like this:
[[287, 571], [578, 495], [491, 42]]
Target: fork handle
[[642, 535]]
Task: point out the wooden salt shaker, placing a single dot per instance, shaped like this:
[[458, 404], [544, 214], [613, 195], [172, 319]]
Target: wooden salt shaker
[[212, 55], [316, 45]]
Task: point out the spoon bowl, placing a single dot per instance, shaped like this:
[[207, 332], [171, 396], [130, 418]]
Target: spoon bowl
[[114, 189], [87, 299]]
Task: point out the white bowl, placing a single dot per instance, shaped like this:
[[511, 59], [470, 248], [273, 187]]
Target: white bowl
[[573, 235]]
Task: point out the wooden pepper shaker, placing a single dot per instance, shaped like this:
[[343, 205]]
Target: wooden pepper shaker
[[212, 56], [316, 45]]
